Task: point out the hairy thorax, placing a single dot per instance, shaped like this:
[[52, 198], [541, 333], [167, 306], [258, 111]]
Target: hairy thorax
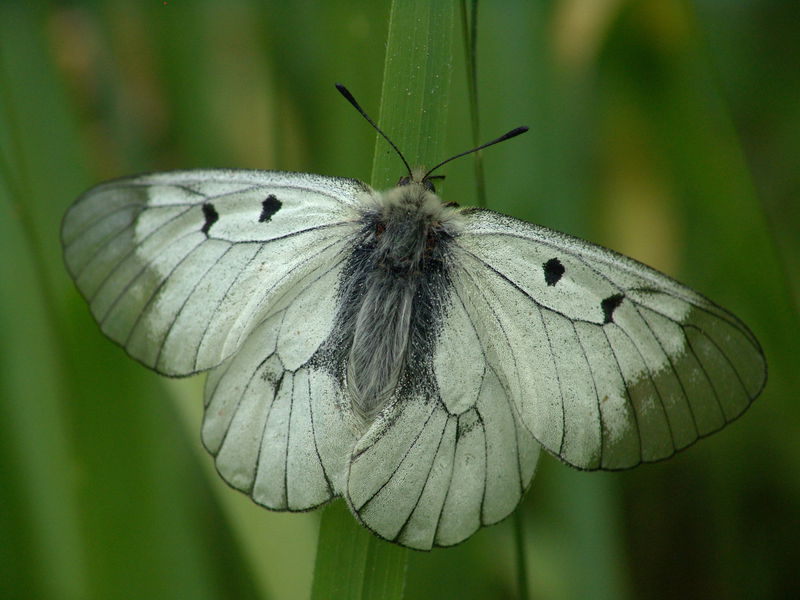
[[400, 277]]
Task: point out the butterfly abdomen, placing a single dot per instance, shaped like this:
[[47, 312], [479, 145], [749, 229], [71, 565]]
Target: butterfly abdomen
[[380, 340], [388, 309]]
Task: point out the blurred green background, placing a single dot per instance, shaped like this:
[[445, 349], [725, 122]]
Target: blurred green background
[[668, 130]]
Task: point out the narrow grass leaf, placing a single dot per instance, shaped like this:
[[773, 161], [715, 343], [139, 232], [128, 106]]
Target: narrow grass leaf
[[351, 563]]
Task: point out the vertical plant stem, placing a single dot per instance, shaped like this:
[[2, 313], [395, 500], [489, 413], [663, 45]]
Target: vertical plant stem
[[352, 563], [342, 551], [521, 555]]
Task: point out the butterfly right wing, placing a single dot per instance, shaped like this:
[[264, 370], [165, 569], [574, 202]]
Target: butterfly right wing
[[179, 267], [610, 362]]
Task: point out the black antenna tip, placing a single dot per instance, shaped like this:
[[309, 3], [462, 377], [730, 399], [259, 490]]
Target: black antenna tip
[[349, 97], [345, 92], [515, 132], [506, 136]]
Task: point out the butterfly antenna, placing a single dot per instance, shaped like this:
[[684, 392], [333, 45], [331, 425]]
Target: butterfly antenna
[[349, 97], [506, 136]]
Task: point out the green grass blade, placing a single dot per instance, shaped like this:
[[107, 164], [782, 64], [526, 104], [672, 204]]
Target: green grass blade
[[385, 573], [416, 87], [521, 555], [341, 555], [351, 563]]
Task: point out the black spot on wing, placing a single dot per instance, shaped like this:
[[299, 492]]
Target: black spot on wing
[[553, 270], [211, 217], [609, 305], [268, 208]]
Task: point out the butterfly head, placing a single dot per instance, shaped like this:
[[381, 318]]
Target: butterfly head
[[409, 223], [419, 176]]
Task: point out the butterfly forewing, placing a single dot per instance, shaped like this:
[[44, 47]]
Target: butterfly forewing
[[610, 362], [179, 267]]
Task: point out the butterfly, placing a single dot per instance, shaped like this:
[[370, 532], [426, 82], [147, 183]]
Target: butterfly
[[404, 353]]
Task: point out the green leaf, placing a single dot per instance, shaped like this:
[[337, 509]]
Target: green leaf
[[416, 87], [351, 562]]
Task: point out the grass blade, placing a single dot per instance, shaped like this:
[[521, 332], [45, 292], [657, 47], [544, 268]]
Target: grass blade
[[351, 563]]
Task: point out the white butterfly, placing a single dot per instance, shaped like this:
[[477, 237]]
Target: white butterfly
[[405, 354]]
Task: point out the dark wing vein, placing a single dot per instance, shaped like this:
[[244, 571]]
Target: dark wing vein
[[288, 443], [276, 283], [399, 464], [727, 360], [328, 483], [452, 473], [216, 309], [427, 479], [132, 250], [163, 282], [558, 380], [627, 391], [485, 464], [104, 241], [672, 367], [142, 270], [600, 422], [632, 340], [481, 290]]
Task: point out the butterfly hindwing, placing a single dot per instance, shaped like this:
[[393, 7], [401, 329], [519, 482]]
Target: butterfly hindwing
[[436, 465], [610, 362], [275, 420], [422, 476], [179, 267]]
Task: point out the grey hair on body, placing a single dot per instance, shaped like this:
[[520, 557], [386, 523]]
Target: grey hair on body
[[408, 224], [398, 295]]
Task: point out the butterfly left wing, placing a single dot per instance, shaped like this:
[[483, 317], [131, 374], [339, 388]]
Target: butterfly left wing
[[179, 267], [610, 363]]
